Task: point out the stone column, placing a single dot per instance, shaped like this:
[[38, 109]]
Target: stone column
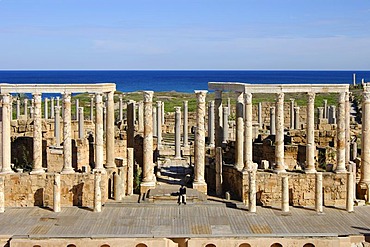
[[350, 190], [57, 126], [56, 193], [159, 124], [347, 128], [163, 113], [310, 134], [97, 192], [318, 193], [11, 107], [332, 115], [130, 171], [130, 124], [260, 121], [185, 125], [248, 133], [218, 119], [2, 195], [272, 121], [81, 121], [92, 107], [6, 147], [141, 116], [297, 123], [252, 202], [279, 137], [18, 109], [341, 135], [25, 108], [154, 110], [177, 132], [218, 168], [148, 166], [57, 101], [365, 140], [228, 106], [110, 132], [117, 187], [46, 107], [52, 114], [211, 123], [120, 108], [239, 142], [99, 134], [320, 112], [285, 194], [104, 119], [199, 152], [354, 150], [225, 124], [37, 136], [325, 108], [291, 113], [77, 102], [67, 136]]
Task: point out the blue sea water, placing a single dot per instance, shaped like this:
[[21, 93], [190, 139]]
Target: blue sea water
[[180, 80]]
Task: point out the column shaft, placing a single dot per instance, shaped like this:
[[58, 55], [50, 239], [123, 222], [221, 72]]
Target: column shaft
[[67, 134], [239, 142], [92, 108], [279, 137], [285, 194], [310, 134], [248, 133], [46, 107], [57, 126], [218, 166], [2, 194], [37, 136], [177, 132], [52, 107], [211, 123], [272, 121], [18, 109], [130, 124], [318, 193], [159, 124], [81, 122], [56, 193], [341, 135], [260, 121], [6, 147], [291, 113], [218, 118], [225, 124], [141, 116], [120, 107], [252, 202], [97, 192], [110, 147], [350, 195], [365, 139], [185, 125], [297, 123], [130, 171], [99, 133]]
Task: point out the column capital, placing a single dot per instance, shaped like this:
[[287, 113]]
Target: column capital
[[98, 97], [148, 96], [239, 97], [248, 98], [36, 97], [280, 97], [177, 109], [185, 102], [211, 103], [201, 95], [66, 97], [342, 97], [5, 99], [311, 97], [159, 103]]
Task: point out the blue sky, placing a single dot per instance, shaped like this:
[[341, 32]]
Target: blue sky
[[185, 34]]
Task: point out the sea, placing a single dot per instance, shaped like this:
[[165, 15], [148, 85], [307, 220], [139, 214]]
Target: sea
[[181, 80]]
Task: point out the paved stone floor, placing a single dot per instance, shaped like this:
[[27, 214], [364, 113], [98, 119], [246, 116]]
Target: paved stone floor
[[214, 218]]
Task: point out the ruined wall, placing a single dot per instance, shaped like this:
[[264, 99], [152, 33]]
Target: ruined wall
[[24, 190]]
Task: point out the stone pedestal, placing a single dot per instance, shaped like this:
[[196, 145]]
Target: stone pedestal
[[130, 171], [341, 135], [248, 133], [185, 125], [239, 142], [272, 121], [177, 132], [67, 134], [97, 192], [211, 123], [285, 194], [37, 136], [252, 202], [279, 137], [218, 166], [56, 193], [148, 166], [310, 134], [318, 193], [199, 152]]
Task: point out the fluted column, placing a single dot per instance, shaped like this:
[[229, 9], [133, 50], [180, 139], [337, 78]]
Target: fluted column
[[67, 134], [291, 113], [310, 134], [148, 166], [6, 147], [279, 137], [211, 123], [218, 118], [365, 139], [272, 121], [248, 133], [177, 132], [99, 134], [185, 125], [110, 131], [239, 142], [199, 152], [37, 136], [341, 135], [159, 124]]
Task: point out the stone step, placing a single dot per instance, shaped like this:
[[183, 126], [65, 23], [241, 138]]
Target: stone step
[[171, 193]]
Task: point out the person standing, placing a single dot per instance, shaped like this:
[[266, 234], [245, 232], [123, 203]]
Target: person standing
[[182, 195]]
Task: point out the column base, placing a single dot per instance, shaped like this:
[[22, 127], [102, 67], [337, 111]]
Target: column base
[[279, 171], [7, 172], [200, 186], [146, 186], [67, 171], [310, 171], [341, 171], [101, 170], [178, 158], [38, 171]]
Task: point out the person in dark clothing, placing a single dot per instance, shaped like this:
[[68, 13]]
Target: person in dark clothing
[[182, 195]]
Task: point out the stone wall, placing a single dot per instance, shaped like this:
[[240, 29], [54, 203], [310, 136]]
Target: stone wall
[[24, 190]]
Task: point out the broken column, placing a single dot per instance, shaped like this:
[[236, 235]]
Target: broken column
[[248, 133], [318, 193], [67, 134], [199, 152], [97, 192], [211, 123], [218, 168], [37, 136], [239, 142], [341, 135], [272, 121], [279, 137], [252, 202], [350, 190], [148, 166], [177, 132], [56, 193], [185, 125], [310, 134], [285, 193]]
